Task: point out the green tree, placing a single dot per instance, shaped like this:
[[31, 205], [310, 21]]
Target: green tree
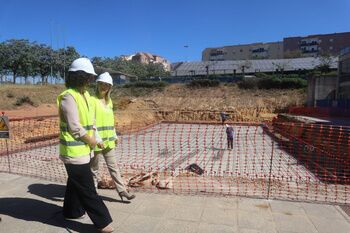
[[3, 71], [43, 61], [16, 57], [325, 63], [64, 57], [156, 70]]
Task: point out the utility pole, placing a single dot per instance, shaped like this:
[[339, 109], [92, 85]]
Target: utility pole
[[186, 52], [64, 55], [51, 49]]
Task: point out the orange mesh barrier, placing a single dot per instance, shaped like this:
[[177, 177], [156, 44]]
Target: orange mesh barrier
[[281, 161]]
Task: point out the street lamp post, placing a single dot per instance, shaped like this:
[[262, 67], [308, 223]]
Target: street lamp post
[[186, 52]]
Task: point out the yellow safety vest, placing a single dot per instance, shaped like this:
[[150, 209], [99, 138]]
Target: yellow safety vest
[[69, 146], [104, 121]]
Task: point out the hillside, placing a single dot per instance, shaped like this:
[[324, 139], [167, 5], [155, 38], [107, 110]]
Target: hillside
[[142, 104]]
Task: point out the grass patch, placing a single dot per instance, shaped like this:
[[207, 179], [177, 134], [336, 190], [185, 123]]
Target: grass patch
[[146, 84], [203, 83]]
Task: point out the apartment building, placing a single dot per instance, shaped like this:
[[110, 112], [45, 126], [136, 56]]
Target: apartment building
[[273, 50], [315, 45], [290, 47], [344, 74], [147, 58]]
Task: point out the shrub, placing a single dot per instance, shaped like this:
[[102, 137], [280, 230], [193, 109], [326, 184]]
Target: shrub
[[200, 83], [146, 84], [269, 83], [10, 95], [293, 83], [248, 83], [22, 100], [273, 82]]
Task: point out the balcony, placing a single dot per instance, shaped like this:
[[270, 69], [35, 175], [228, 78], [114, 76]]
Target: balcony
[[312, 43]]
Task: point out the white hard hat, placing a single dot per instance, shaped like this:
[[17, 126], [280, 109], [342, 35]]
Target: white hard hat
[[105, 78], [82, 64]]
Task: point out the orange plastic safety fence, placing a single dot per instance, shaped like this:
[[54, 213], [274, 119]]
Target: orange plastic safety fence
[[283, 161]]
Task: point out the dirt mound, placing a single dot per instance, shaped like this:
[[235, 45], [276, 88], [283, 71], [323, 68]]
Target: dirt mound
[[31, 111], [136, 112]]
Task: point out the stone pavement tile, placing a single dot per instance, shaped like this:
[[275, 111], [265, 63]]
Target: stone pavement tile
[[323, 211], [211, 228], [187, 213], [117, 216], [256, 205], [6, 177], [286, 207], [221, 202], [158, 197], [152, 208], [293, 223], [290, 231], [138, 223], [220, 216], [256, 221], [128, 207], [326, 225], [195, 201], [245, 230], [16, 187], [15, 224], [176, 226]]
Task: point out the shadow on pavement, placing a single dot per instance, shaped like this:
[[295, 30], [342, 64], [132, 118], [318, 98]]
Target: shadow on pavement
[[55, 192], [38, 211]]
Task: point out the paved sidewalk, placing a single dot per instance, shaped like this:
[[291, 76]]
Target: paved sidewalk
[[32, 205]]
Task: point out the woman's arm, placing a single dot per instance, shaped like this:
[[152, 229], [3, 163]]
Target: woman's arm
[[71, 115]]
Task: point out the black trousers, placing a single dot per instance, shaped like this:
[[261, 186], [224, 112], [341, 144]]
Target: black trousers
[[81, 196], [230, 143]]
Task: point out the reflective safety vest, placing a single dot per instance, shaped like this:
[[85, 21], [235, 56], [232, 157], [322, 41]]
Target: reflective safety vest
[[70, 146], [104, 122]]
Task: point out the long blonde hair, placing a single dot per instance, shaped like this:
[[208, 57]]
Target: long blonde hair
[[108, 94]]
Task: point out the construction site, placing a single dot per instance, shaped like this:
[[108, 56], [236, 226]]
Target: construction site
[[286, 157]]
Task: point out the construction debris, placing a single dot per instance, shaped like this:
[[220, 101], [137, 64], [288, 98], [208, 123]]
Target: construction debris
[[106, 182], [165, 184], [195, 169], [139, 179]]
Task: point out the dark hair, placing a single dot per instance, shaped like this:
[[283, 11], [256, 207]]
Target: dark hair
[[77, 79]]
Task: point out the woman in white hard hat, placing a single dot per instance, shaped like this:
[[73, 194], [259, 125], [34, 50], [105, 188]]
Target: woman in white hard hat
[[76, 142], [106, 135]]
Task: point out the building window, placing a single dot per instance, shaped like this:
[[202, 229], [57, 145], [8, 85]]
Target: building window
[[241, 50], [331, 47], [330, 40]]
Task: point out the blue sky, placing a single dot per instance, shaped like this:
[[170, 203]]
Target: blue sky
[[110, 28]]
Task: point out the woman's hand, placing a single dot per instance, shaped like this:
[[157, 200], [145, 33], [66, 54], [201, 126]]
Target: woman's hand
[[100, 145]]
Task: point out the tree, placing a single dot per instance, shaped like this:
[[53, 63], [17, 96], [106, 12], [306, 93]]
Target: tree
[[64, 57], [3, 71], [156, 70], [27, 65], [325, 63], [280, 66], [245, 65], [16, 54], [43, 61]]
